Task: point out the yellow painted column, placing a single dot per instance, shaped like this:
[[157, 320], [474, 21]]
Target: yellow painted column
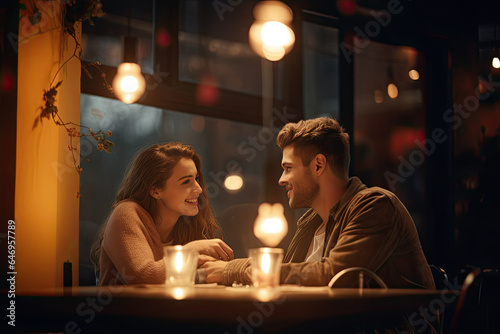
[[46, 205]]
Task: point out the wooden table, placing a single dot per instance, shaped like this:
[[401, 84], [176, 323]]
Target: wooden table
[[219, 309]]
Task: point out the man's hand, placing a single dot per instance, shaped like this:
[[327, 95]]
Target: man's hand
[[215, 248], [214, 270]]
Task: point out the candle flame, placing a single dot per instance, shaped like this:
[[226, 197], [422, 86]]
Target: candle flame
[[266, 263], [178, 261]]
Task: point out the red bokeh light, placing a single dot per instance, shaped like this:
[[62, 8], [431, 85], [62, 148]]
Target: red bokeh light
[[207, 92], [7, 82], [163, 38], [346, 7], [404, 139]]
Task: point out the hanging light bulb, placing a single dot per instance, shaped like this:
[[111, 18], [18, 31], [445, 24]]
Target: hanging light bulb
[[271, 226], [128, 83], [271, 36], [495, 62]]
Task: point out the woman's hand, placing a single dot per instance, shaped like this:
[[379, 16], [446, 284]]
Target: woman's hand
[[214, 271], [215, 248]]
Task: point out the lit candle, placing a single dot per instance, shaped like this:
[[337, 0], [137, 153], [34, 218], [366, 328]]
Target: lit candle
[[266, 266], [180, 265]]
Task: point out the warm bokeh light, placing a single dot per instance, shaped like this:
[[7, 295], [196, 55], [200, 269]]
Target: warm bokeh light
[[233, 182], [482, 87], [128, 83], [275, 33], [495, 62], [179, 293], [270, 226], [414, 75], [272, 11], [270, 35], [378, 95], [273, 53], [392, 91]]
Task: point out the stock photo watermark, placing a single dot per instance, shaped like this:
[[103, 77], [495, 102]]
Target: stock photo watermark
[[255, 319], [425, 316], [249, 149], [372, 29], [88, 310], [222, 6], [428, 146], [11, 273]]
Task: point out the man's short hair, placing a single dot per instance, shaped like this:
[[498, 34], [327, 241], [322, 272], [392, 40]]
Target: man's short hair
[[321, 135]]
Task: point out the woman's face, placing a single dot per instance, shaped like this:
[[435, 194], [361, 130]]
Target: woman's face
[[179, 195]]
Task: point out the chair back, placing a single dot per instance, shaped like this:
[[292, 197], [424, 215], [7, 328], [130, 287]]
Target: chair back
[[478, 308], [440, 277]]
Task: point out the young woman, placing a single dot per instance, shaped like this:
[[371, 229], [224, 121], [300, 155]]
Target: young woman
[[161, 201]]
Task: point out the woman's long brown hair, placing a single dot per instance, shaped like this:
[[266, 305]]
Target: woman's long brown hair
[[151, 168]]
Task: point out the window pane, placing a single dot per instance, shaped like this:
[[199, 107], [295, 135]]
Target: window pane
[[224, 146], [214, 49], [320, 79], [103, 41], [389, 132]]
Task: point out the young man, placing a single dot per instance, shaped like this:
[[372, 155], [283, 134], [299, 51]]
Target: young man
[[348, 225]]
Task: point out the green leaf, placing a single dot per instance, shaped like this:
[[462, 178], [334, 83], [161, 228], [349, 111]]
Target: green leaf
[[22, 6]]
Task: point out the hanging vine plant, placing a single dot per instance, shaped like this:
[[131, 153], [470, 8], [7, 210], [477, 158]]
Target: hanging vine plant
[[73, 11]]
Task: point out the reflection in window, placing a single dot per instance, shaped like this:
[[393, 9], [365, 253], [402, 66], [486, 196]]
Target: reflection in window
[[389, 122], [214, 50], [227, 148], [320, 83], [103, 41]]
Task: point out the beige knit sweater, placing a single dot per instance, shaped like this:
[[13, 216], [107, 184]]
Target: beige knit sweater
[[132, 252]]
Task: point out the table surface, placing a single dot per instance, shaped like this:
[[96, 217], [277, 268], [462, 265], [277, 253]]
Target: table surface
[[213, 308]]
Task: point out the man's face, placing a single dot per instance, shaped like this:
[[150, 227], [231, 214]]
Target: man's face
[[301, 187]]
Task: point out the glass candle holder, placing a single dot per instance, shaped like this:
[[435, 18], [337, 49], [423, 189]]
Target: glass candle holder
[[180, 265], [266, 266]]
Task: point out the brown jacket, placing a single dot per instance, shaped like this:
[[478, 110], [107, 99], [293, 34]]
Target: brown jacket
[[369, 228]]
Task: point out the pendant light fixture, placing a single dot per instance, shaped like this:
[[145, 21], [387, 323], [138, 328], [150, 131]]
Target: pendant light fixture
[[128, 83], [271, 35], [495, 61]]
